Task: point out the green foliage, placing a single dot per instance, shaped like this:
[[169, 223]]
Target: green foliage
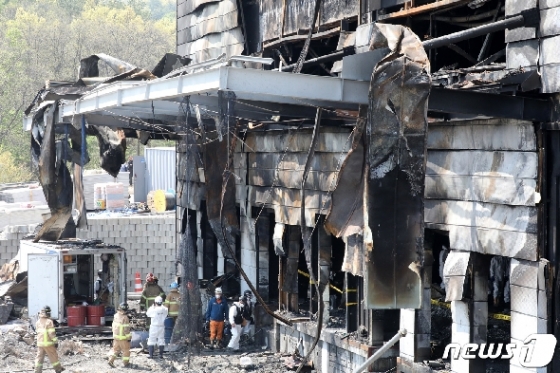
[[12, 172], [45, 39]]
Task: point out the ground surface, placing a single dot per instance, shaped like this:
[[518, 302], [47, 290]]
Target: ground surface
[[17, 354]]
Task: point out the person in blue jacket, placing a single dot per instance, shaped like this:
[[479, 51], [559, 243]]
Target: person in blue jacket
[[216, 314]]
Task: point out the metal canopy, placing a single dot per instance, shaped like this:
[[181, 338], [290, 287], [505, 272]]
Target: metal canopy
[[160, 99], [248, 84]]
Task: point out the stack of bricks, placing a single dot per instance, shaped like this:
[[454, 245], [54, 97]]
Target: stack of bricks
[[149, 241], [533, 48], [9, 241], [13, 214]]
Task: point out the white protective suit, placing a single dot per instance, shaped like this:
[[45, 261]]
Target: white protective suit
[[158, 314], [235, 327]]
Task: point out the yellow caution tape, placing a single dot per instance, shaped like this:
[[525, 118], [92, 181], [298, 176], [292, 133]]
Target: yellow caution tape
[[441, 304], [335, 288], [305, 274], [497, 316]]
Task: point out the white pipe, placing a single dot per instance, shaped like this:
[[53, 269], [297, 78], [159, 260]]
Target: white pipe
[[381, 351]]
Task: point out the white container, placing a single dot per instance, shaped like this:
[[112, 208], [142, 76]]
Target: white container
[[99, 197], [114, 196]]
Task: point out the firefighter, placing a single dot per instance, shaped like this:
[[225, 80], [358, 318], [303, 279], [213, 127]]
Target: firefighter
[[47, 343], [235, 320], [216, 314], [157, 313], [173, 300], [249, 322], [121, 335], [150, 292], [173, 304]]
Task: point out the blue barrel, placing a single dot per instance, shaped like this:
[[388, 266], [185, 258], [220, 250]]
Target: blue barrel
[[169, 323]]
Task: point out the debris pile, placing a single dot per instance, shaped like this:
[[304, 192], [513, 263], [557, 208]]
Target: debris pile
[[18, 350]]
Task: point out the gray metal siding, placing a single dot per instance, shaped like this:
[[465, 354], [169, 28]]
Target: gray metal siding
[[160, 168]]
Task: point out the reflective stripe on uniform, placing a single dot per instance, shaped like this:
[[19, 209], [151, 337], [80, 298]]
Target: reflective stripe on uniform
[[56, 363], [46, 342], [121, 336], [148, 299], [126, 358]]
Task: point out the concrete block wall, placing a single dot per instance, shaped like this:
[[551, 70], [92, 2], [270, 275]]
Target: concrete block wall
[[13, 214], [535, 48], [9, 241], [149, 240], [332, 354]]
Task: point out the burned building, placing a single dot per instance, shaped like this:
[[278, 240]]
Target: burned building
[[356, 164]]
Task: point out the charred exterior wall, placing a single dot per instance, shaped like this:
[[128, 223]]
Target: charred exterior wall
[[481, 186], [206, 29]]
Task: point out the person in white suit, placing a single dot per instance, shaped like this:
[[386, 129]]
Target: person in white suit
[[157, 313], [235, 320]]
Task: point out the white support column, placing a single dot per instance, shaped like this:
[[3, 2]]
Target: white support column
[[248, 251], [415, 346], [528, 305], [470, 316]]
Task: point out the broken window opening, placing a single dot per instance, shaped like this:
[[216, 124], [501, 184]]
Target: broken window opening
[[337, 300], [209, 246]]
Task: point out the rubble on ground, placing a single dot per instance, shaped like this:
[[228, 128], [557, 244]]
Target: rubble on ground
[[17, 354]]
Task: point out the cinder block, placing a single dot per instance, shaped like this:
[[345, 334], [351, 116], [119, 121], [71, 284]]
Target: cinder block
[[460, 313], [549, 50], [545, 4], [550, 24], [522, 54], [524, 300], [522, 325], [515, 365], [524, 273], [460, 333]]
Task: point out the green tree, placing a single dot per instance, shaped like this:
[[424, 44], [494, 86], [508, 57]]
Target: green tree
[[46, 39], [12, 171]]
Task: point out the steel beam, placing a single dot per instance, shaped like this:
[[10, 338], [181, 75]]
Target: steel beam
[[491, 105], [296, 90]]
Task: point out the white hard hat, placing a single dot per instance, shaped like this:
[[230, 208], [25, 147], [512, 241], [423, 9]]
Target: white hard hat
[[158, 300], [218, 291]]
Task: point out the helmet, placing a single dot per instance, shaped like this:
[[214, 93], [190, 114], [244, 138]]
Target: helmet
[[158, 300], [150, 277], [247, 294], [46, 311], [123, 307], [218, 291], [100, 272], [174, 285], [242, 299]]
